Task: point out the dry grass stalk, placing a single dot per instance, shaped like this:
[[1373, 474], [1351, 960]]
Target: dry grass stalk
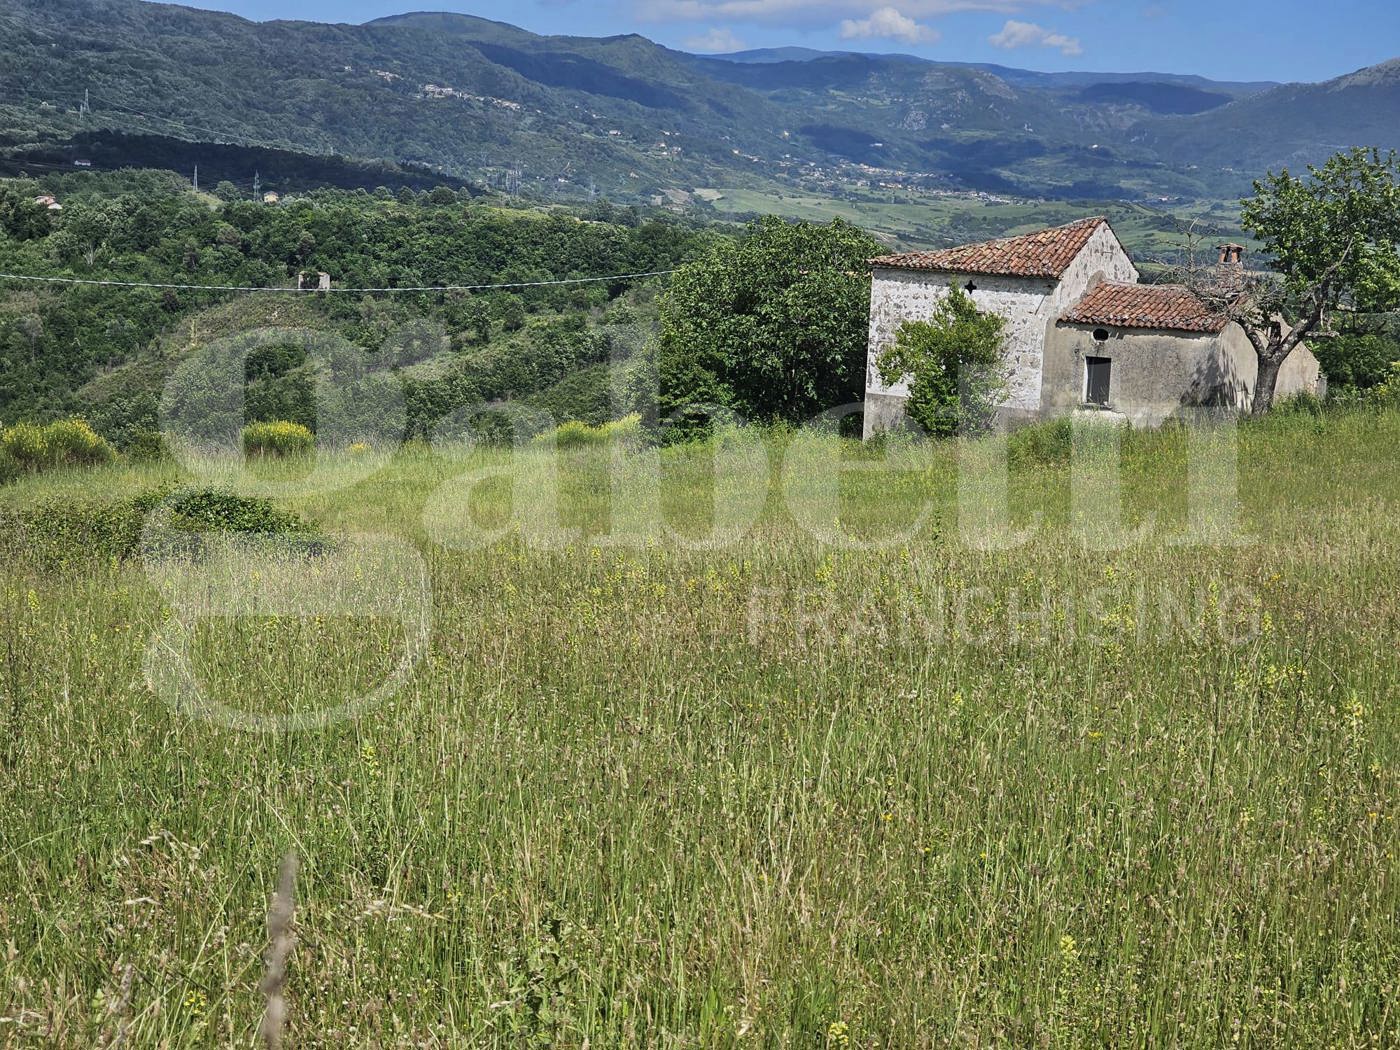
[[279, 932], [122, 1006]]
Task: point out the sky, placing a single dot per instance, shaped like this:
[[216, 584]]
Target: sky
[[1283, 40]]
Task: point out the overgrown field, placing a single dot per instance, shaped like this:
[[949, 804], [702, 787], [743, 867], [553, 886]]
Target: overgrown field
[[779, 790]]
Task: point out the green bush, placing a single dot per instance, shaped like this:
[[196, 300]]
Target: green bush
[[218, 510], [66, 443], [1387, 391], [64, 531], [146, 446], [277, 440], [626, 431], [1045, 444], [72, 443], [24, 443], [1356, 360], [574, 434], [954, 366]]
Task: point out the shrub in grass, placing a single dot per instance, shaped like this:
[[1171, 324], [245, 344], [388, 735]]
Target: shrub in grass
[[219, 510], [1042, 444], [66, 531], [72, 443], [24, 443], [66, 443], [625, 431], [1386, 393], [574, 434], [277, 440], [146, 446]]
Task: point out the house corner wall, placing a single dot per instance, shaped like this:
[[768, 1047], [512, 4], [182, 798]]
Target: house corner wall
[[897, 296]]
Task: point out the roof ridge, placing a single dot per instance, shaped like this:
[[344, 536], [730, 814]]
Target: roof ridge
[[1044, 253]]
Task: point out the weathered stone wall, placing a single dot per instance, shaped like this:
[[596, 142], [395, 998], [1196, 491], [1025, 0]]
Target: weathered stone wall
[[1031, 307], [897, 296]]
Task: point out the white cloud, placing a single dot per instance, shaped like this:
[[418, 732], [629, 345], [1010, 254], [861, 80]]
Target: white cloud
[[716, 42], [1027, 34], [888, 24]]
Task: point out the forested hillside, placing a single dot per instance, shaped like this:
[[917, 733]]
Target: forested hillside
[[104, 352], [621, 116]]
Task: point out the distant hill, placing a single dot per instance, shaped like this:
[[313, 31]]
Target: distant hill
[[1293, 124], [1158, 98], [489, 103]]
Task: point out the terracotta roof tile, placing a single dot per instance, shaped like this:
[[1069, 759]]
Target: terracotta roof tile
[[1166, 306], [1047, 253]]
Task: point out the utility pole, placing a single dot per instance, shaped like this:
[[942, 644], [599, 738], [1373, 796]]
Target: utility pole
[[257, 186], [196, 178], [85, 108]]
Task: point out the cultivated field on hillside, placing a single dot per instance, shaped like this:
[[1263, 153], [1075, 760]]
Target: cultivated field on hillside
[[782, 789]]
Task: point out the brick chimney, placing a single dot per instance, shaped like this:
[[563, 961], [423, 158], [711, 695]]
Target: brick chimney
[[1230, 271], [1231, 254]]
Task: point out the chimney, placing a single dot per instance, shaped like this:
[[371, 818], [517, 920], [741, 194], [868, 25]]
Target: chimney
[[1231, 254]]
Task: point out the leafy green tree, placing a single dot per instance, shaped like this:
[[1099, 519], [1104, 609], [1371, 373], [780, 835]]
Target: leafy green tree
[[477, 318], [1332, 237], [773, 325], [1356, 360], [20, 218], [512, 312], [93, 229], [954, 364]]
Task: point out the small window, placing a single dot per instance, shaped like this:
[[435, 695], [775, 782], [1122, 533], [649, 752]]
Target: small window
[[971, 287], [1096, 380], [1100, 335]]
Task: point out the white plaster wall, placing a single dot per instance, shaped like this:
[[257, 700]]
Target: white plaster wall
[[1031, 307], [1301, 373]]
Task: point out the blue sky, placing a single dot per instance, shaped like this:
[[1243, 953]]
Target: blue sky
[[1224, 39]]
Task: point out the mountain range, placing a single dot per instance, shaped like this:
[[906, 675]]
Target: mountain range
[[487, 102]]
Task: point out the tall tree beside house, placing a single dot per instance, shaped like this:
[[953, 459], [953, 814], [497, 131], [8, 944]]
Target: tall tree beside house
[[1332, 237], [773, 325], [954, 364]]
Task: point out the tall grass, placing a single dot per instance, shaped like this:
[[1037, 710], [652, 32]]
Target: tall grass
[[776, 792]]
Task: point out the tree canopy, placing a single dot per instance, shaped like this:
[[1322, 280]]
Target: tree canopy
[[1332, 237], [772, 326], [103, 352]]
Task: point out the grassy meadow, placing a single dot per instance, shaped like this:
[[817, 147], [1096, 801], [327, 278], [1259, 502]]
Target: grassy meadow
[[833, 777]]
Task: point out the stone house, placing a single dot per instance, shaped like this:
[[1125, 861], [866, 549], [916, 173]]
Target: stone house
[[1082, 333]]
